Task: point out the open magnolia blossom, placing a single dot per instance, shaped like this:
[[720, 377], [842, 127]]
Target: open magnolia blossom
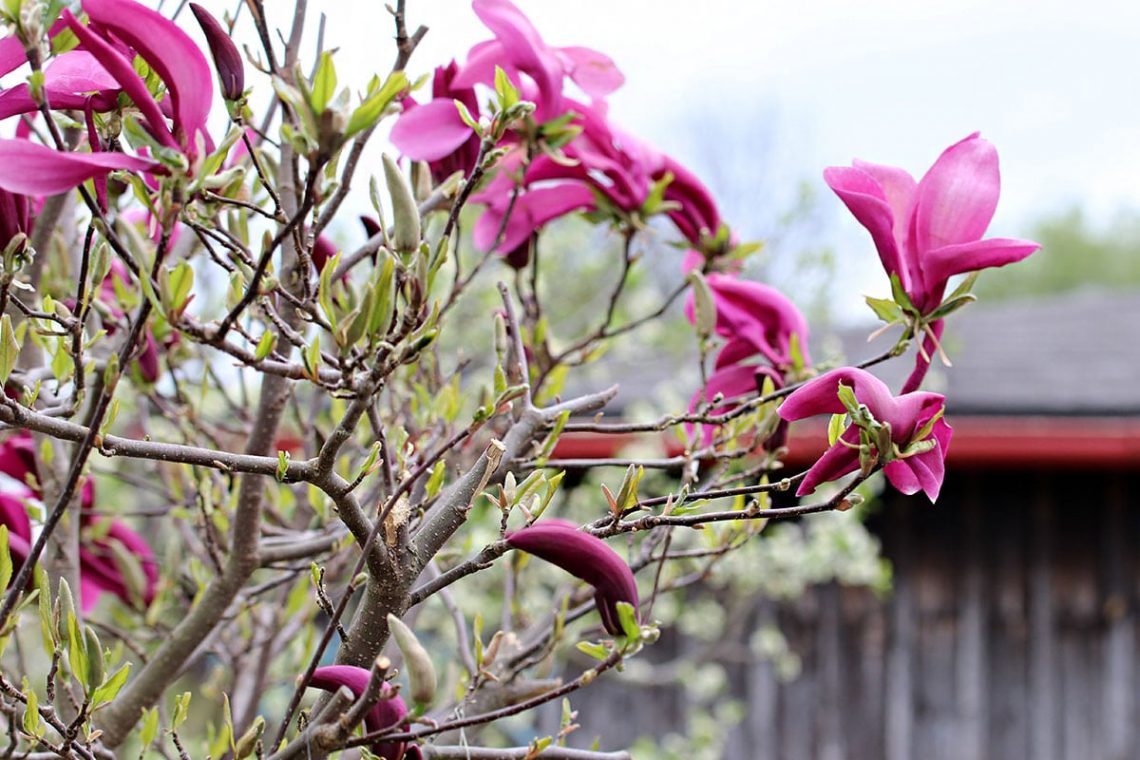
[[905, 433], [562, 543], [928, 231]]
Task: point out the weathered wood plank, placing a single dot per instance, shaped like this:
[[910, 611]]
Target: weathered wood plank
[[899, 718], [1043, 722], [1119, 686], [971, 649]]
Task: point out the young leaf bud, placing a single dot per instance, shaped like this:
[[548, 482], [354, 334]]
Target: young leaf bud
[[421, 671], [405, 214]]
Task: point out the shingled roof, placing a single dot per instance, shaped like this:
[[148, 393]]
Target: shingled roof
[[1074, 355], [1071, 354]]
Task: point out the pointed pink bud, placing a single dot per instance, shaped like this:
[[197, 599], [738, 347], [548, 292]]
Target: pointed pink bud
[[386, 713], [227, 59], [584, 556]]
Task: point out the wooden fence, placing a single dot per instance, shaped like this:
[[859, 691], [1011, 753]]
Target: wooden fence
[[1010, 633]]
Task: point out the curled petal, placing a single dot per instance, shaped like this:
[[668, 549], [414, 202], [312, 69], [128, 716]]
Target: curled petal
[[943, 263], [171, 52], [594, 72], [31, 169], [867, 201], [124, 73], [821, 395], [584, 556], [386, 713]]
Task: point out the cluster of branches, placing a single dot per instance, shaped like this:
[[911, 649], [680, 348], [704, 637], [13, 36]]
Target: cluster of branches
[[316, 459]]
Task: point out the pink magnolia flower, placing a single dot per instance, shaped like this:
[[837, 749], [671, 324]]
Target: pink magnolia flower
[[603, 169], [386, 713], [759, 322], [519, 49], [584, 556], [169, 51], [435, 132], [99, 564], [929, 231], [913, 418]]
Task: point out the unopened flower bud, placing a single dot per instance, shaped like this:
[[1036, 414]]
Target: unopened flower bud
[[421, 670], [227, 59], [405, 214]]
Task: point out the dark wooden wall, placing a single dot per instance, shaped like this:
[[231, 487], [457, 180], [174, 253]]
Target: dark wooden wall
[[1011, 632]]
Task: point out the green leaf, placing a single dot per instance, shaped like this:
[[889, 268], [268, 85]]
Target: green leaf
[[465, 115], [597, 651], [885, 309], [324, 84], [265, 345], [5, 557], [951, 305], [507, 94], [369, 112], [33, 723], [149, 728], [835, 428], [9, 348], [181, 710], [77, 653], [181, 282], [435, 481], [111, 687], [900, 295], [627, 617], [282, 465]]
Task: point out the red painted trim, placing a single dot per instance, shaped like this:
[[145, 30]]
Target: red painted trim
[[978, 443]]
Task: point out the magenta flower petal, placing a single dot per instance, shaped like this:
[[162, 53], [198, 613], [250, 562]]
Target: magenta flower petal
[[956, 199], [902, 476], [431, 131], [386, 713], [31, 169], [594, 72], [532, 210], [921, 364], [524, 48], [836, 462], [586, 557], [124, 73], [12, 54], [821, 395], [15, 515], [947, 261], [867, 201], [171, 52]]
